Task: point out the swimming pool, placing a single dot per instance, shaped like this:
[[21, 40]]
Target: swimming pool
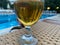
[[8, 20], [45, 16]]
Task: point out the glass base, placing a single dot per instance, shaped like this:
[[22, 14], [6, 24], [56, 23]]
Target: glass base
[[28, 40]]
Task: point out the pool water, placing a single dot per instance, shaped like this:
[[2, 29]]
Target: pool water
[[7, 21], [45, 16]]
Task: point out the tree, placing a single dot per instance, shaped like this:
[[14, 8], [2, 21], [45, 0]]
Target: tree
[[3, 3], [53, 4]]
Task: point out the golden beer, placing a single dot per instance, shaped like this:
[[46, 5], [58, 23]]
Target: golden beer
[[28, 12]]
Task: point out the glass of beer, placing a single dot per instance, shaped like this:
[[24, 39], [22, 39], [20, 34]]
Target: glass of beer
[[28, 13]]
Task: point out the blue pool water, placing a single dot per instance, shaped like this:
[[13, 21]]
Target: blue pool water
[[45, 16], [7, 21]]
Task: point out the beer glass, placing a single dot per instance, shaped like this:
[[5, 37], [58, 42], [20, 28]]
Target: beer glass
[[28, 13]]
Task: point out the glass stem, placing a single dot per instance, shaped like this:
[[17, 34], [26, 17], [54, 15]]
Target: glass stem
[[28, 31]]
